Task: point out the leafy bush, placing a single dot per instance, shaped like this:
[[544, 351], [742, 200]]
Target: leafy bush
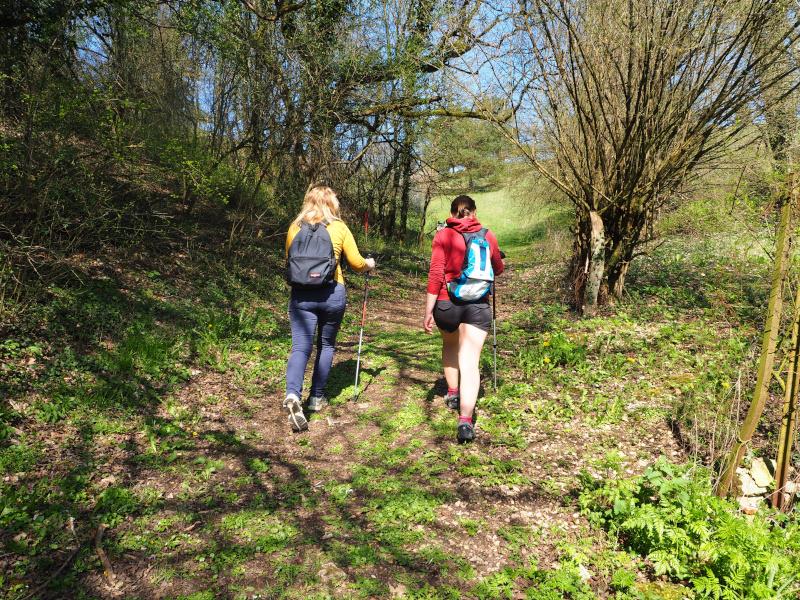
[[670, 516], [548, 351], [199, 173]]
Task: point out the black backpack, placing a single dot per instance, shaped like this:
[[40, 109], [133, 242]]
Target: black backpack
[[311, 261]]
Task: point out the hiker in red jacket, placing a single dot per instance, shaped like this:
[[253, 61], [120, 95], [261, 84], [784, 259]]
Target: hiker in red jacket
[[464, 261]]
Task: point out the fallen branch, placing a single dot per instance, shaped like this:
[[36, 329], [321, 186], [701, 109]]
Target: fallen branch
[[98, 539]]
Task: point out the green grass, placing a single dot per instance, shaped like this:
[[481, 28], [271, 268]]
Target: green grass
[[516, 220]]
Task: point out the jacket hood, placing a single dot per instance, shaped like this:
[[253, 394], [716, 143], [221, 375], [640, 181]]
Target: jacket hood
[[465, 225]]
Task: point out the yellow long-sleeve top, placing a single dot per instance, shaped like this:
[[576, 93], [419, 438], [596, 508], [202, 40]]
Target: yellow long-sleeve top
[[342, 240]]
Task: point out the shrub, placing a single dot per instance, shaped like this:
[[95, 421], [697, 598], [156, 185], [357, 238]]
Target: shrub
[[670, 516]]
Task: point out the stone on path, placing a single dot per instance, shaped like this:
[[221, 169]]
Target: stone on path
[[749, 486], [760, 473], [330, 572], [398, 590], [584, 573], [771, 465], [749, 505]]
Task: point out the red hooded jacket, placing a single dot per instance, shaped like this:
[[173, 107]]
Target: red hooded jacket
[[447, 256]]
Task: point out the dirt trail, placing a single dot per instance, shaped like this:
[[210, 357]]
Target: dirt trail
[[376, 499]]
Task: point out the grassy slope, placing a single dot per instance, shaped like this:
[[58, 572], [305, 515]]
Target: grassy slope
[[516, 220], [148, 400]]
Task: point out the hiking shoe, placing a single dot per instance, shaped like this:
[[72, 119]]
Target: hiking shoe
[[453, 401], [466, 433], [316, 403], [296, 417]]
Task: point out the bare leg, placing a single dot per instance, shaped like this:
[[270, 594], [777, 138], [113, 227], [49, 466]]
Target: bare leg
[[470, 344], [450, 357]]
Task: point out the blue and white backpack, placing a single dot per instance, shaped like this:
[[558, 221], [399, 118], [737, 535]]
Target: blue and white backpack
[[477, 274]]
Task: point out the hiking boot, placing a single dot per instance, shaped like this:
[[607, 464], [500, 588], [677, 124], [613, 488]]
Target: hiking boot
[[466, 433], [316, 403], [453, 401], [296, 417]]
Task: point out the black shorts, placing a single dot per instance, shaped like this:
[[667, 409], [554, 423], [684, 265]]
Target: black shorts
[[449, 315]]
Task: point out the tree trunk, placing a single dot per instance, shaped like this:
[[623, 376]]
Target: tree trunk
[[576, 275], [780, 115], [595, 266], [768, 344], [391, 214], [789, 419], [616, 280], [423, 222], [602, 253], [405, 196]]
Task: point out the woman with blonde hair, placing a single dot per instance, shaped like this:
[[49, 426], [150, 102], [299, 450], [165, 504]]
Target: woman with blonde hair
[[315, 243]]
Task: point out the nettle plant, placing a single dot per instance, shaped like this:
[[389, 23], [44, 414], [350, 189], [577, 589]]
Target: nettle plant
[[670, 516]]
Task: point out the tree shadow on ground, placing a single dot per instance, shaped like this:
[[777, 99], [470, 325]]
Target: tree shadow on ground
[[203, 492], [343, 374]]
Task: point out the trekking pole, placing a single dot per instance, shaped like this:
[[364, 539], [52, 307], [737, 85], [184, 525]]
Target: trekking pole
[[494, 323], [494, 330], [361, 332]]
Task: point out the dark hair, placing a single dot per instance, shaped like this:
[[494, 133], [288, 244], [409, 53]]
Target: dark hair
[[462, 206]]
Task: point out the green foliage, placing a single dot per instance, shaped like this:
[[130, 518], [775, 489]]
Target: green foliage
[[55, 408], [404, 509], [467, 151], [202, 176], [471, 526], [564, 582], [548, 351], [499, 585], [265, 531], [561, 583], [259, 466], [491, 471], [19, 458], [115, 503], [622, 580], [518, 536], [504, 416], [670, 516]]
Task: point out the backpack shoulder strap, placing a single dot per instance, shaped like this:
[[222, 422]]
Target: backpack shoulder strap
[[302, 231], [327, 234], [467, 236], [470, 235]]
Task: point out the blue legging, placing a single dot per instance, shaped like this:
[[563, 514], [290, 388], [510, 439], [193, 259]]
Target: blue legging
[[317, 311]]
